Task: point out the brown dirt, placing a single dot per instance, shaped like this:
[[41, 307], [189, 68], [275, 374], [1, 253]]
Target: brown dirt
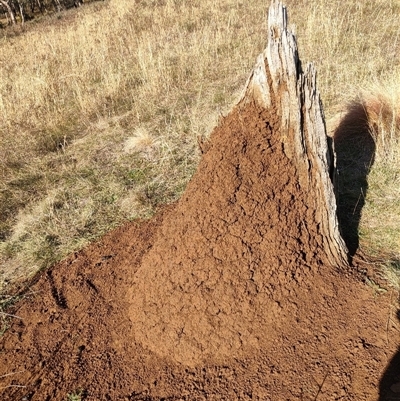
[[224, 295]]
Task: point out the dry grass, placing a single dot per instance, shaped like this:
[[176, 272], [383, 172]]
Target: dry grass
[[380, 231], [367, 141], [99, 122]]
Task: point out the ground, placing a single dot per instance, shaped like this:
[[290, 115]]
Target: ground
[[224, 295]]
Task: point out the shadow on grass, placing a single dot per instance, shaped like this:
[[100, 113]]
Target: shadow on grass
[[355, 154]]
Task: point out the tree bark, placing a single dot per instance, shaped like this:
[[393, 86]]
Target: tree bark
[[278, 78]]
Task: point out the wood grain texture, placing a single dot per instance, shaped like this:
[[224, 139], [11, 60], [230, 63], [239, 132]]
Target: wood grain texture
[[278, 82]]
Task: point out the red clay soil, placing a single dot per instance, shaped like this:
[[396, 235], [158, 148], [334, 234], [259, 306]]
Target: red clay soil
[[224, 295]]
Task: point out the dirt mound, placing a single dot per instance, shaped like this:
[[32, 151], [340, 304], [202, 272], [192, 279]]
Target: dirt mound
[[234, 252], [261, 319], [229, 294]]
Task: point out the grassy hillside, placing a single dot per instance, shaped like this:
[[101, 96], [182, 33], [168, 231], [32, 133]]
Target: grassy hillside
[[102, 109]]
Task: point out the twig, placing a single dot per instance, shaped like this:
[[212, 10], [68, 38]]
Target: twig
[[358, 201], [8, 314], [12, 385], [10, 374], [320, 387], [394, 325]]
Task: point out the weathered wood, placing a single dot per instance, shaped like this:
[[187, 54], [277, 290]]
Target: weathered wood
[[10, 12], [278, 82]]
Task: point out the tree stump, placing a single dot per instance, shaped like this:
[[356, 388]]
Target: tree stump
[[278, 82]]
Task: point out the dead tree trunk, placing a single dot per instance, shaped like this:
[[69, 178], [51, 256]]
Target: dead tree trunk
[[278, 75], [10, 12], [21, 12]]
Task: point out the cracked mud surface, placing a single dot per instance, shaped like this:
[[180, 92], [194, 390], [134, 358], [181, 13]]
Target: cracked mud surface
[[224, 295]]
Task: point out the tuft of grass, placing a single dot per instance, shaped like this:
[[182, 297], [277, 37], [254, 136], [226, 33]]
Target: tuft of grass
[[391, 271], [367, 141], [78, 395], [6, 302], [380, 231]]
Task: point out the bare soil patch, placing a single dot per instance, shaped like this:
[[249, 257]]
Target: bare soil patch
[[221, 296]]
